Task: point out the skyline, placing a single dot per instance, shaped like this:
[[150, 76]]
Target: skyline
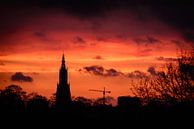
[[106, 44]]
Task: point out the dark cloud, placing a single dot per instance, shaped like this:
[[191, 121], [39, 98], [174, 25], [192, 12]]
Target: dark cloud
[[152, 70], [79, 40], [20, 77], [112, 72], [101, 71], [79, 8], [96, 70], [176, 14], [136, 74], [165, 59], [147, 40], [98, 57]]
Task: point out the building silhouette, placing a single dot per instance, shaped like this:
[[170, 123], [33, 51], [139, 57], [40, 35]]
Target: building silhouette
[[129, 102], [63, 94]]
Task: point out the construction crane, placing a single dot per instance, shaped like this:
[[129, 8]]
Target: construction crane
[[103, 92]]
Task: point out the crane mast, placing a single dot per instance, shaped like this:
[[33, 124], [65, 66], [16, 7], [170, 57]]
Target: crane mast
[[104, 91]]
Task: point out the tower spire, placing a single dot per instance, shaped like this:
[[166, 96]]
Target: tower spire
[[63, 60], [63, 93]]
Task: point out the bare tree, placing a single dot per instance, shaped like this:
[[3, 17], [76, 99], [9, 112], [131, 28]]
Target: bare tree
[[174, 83], [143, 88]]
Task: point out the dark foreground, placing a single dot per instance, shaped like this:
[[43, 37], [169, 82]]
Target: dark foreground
[[101, 118]]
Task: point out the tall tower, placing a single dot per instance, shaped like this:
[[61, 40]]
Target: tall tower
[[63, 94]]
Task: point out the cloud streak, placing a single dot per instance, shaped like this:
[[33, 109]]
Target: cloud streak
[[101, 71]]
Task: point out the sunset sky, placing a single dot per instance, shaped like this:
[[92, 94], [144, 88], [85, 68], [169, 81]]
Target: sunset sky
[[106, 43]]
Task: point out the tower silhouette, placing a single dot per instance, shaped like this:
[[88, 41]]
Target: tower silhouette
[[63, 94]]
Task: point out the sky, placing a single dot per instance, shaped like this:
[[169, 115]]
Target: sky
[[107, 43]]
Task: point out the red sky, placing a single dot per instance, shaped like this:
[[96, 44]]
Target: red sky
[[120, 39]]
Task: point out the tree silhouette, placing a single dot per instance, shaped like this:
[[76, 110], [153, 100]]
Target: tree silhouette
[[52, 101], [82, 101], [100, 101], [144, 89], [174, 84], [12, 98], [37, 102]]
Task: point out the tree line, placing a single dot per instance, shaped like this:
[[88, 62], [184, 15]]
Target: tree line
[[14, 98]]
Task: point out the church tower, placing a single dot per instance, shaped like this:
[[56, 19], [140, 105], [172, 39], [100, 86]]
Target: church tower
[[63, 94]]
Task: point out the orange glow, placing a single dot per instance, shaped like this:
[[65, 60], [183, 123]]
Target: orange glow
[[46, 64], [120, 41]]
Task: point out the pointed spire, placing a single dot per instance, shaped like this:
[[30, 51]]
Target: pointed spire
[[63, 59]]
